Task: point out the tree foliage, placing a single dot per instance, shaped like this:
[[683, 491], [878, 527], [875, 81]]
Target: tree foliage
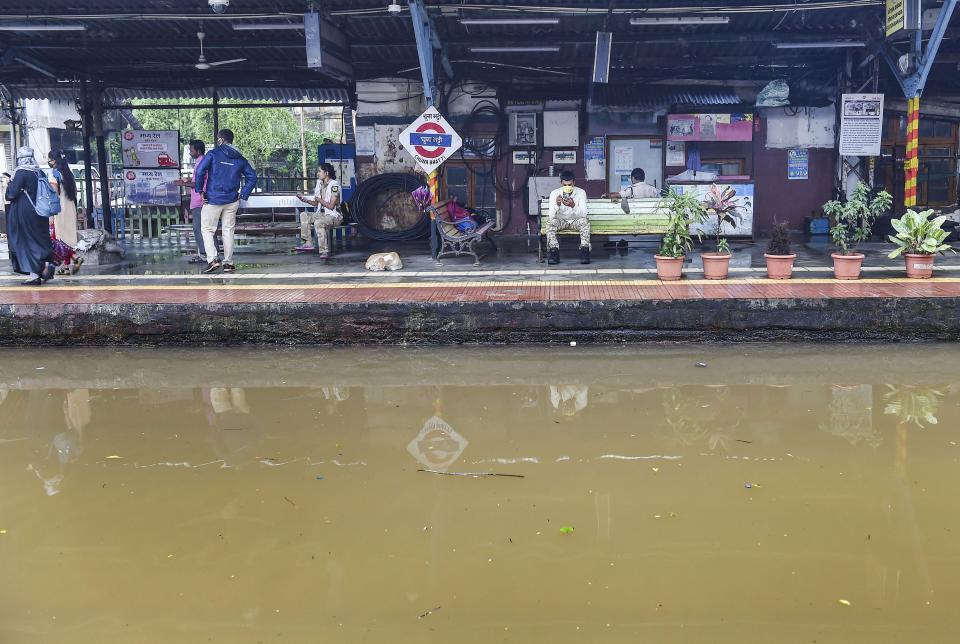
[[269, 137]]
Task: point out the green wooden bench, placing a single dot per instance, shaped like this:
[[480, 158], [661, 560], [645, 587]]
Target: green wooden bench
[[607, 218]]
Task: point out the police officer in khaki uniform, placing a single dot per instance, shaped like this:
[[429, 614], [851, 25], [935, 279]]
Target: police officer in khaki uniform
[[326, 197]]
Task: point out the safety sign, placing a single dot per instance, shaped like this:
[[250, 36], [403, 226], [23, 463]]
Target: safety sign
[[430, 140]]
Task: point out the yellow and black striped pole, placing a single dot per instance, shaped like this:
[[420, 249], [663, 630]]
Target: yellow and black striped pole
[[434, 241], [911, 164]]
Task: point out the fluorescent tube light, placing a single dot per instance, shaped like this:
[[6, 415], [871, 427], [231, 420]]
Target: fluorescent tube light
[[508, 50], [267, 26], [819, 45], [11, 26], [509, 21], [37, 67], [682, 20]]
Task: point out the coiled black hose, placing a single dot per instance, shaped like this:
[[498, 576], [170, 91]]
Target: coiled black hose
[[396, 182]]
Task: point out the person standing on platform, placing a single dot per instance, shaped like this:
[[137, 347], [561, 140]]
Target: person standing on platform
[[28, 234], [568, 211], [197, 150], [218, 179], [65, 223]]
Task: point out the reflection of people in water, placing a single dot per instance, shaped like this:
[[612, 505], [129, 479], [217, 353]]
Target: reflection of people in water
[[68, 444], [223, 400], [569, 399], [334, 396]]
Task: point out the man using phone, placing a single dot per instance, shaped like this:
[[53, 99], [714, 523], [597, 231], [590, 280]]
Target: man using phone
[[568, 211]]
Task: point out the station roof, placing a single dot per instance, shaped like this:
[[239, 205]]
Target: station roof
[[153, 45]]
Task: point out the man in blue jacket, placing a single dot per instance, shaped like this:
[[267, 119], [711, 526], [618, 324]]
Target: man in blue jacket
[[217, 178]]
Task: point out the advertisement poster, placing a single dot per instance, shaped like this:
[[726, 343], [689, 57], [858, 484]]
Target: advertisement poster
[[676, 153], [710, 127], [798, 164], [364, 137], [152, 187], [594, 158], [150, 148], [744, 200], [861, 125]]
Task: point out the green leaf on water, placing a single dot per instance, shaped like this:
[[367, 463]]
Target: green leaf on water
[[567, 529]]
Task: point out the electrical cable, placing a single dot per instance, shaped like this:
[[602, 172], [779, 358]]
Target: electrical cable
[[362, 201]]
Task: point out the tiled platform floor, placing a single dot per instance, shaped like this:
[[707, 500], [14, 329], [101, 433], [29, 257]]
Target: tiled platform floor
[[542, 290]]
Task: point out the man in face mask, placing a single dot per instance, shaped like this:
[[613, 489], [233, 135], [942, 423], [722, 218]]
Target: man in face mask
[[568, 211], [217, 178]]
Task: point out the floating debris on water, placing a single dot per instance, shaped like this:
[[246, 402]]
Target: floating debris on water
[[567, 529]]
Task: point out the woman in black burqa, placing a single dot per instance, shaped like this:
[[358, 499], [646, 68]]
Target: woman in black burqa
[[28, 233]]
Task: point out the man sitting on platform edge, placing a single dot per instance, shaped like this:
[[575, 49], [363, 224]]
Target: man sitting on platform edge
[[568, 211]]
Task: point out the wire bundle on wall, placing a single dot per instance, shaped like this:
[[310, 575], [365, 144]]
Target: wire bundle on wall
[[362, 200]]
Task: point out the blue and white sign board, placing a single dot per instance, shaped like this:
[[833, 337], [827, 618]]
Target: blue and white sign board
[[151, 187], [430, 140], [798, 163]]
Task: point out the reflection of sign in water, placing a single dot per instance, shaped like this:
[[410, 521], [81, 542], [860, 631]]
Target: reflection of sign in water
[[150, 148], [152, 187], [438, 445]]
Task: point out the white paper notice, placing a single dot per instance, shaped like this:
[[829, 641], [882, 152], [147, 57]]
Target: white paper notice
[[365, 141], [861, 125], [676, 153], [622, 159]]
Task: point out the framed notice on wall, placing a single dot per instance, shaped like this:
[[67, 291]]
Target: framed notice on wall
[[710, 127], [861, 125], [150, 148], [152, 187]]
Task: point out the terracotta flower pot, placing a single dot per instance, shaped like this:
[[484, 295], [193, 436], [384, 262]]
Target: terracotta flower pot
[[669, 268], [847, 267], [715, 266], [919, 266], [780, 267]]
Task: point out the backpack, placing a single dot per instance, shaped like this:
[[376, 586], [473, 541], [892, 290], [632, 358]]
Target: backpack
[[47, 203]]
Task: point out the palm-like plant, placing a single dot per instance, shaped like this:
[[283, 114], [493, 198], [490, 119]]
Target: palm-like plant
[[684, 209], [721, 206], [917, 234], [913, 405]]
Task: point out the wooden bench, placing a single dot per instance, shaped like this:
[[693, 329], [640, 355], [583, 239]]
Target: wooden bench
[[455, 242], [607, 218]]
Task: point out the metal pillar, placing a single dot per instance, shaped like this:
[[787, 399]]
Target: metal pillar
[[102, 161], [911, 163], [216, 115], [85, 128]]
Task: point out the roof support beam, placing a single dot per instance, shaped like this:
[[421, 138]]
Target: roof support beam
[[425, 33], [922, 60]]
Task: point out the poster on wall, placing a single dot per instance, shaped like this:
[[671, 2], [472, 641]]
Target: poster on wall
[[152, 187], [364, 136], [861, 125], [710, 127], [676, 153], [150, 148], [798, 164], [623, 159], [743, 199], [594, 159]]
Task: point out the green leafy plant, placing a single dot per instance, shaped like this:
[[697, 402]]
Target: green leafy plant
[[684, 209], [721, 207], [917, 234], [854, 218], [779, 243]]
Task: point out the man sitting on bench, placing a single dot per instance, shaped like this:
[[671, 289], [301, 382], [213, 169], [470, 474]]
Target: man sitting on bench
[[568, 211], [637, 190]]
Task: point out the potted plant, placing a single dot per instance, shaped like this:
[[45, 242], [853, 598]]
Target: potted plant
[[854, 222], [722, 208], [779, 255], [683, 209], [919, 238]]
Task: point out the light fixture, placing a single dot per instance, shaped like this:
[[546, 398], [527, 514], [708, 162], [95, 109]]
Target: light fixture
[[681, 20], [509, 21], [266, 26], [38, 67], [827, 44], [509, 50], [19, 26]]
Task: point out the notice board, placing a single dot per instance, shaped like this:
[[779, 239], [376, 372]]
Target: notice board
[[861, 125]]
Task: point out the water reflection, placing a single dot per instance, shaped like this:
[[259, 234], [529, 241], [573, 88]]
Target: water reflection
[[282, 500]]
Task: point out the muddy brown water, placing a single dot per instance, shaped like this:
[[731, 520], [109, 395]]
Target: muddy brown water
[[777, 494]]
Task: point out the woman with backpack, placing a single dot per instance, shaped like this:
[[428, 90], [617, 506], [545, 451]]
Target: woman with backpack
[[28, 233], [64, 235]]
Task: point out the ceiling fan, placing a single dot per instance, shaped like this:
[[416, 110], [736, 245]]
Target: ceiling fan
[[202, 61]]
